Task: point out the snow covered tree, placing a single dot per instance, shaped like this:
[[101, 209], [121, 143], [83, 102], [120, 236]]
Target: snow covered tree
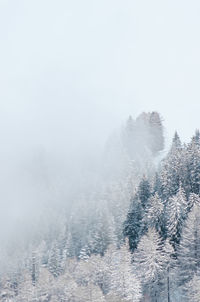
[[189, 250], [176, 210], [101, 234], [85, 271], [143, 136], [45, 283], [123, 281], [157, 185], [149, 261], [144, 191], [154, 212], [193, 199], [33, 266], [63, 288], [84, 253], [27, 291], [7, 292], [34, 269], [54, 262], [133, 223], [156, 133], [192, 289], [90, 293], [192, 170], [171, 169]]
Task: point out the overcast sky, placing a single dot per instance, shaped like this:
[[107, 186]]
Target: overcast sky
[[73, 71], [77, 69]]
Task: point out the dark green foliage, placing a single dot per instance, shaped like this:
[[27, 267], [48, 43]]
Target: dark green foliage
[[133, 223], [193, 166], [171, 169], [157, 187], [144, 191], [177, 178]]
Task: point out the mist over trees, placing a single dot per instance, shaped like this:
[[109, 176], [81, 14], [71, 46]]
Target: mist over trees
[[169, 203], [127, 229]]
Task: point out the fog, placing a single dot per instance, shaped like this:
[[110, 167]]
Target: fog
[[71, 73]]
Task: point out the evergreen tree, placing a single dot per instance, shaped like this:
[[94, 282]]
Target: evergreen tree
[[171, 169], [149, 261], [157, 185], [197, 137], [176, 210], [154, 213], [133, 223], [192, 179], [193, 199], [189, 251], [192, 289], [144, 191], [156, 133], [55, 260], [122, 279]]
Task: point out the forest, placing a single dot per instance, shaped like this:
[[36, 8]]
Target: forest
[[131, 232]]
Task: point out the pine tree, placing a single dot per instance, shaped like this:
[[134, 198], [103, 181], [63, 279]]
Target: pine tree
[[154, 212], [192, 179], [149, 261], [84, 253], [129, 135], [157, 186], [54, 262], [133, 223], [171, 169], [189, 250], [192, 289], [123, 281], [144, 191], [156, 133], [193, 199], [176, 210]]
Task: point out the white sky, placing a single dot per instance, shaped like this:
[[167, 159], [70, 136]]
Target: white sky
[[77, 69], [72, 71]]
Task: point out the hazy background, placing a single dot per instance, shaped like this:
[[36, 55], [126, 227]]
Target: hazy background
[[72, 71]]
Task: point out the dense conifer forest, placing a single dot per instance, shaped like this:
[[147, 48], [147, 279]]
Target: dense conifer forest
[[132, 234]]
